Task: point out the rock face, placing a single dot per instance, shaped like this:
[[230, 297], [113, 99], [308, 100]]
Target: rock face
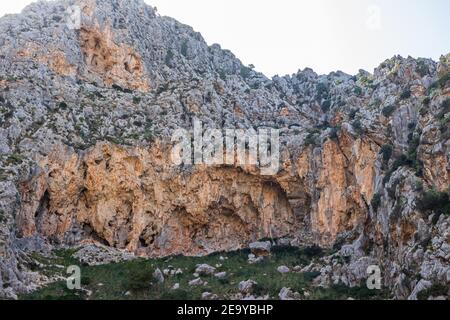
[[246, 287], [114, 64], [260, 248], [134, 199], [86, 120], [95, 255]]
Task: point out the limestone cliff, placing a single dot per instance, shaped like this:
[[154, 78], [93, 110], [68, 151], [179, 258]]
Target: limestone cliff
[[86, 119]]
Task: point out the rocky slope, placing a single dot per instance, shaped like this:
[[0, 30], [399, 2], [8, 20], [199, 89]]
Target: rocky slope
[[86, 119]]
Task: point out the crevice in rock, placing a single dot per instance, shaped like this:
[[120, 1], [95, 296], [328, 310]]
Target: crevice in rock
[[90, 232], [132, 199]]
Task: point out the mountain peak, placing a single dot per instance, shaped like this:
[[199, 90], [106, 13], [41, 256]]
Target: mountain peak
[[94, 94]]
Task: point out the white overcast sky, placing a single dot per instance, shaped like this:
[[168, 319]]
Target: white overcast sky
[[282, 36]]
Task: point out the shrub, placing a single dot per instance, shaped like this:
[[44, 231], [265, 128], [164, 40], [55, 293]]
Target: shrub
[[184, 49], [352, 114], [422, 69], [399, 162], [310, 276], [311, 138], [396, 212], [136, 100], [405, 94], [322, 90], [392, 190], [245, 72], [376, 202], [418, 186], [140, 280], [433, 201], [358, 91], [326, 105], [169, 57], [222, 75], [119, 88], [179, 294], [386, 151], [412, 155], [443, 120], [412, 125], [357, 126], [388, 111], [281, 251], [435, 290], [313, 251], [441, 82], [14, 159], [445, 106], [444, 125], [334, 133]]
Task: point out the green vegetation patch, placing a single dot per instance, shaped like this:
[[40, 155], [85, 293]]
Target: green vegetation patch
[[134, 279]]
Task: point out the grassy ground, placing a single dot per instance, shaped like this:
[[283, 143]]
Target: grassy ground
[[134, 279]]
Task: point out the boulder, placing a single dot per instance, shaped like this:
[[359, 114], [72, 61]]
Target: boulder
[[158, 276], [288, 294], [283, 269], [209, 296], [260, 249], [221, 275], [246, 287], [205, 270], [252, 259], [196, 282]]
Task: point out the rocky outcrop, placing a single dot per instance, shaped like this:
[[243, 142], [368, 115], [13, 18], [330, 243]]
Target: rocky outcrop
[[113, 64], [340, 178], [132, 198], [87, 116]]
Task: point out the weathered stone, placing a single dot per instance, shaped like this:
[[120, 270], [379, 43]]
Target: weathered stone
[[86, 121], [260, 248], [221, 275], [288, 294], [209, 296], [159, 276], [246, 287], [96, 254], [283, 269], [205, 270], [196, 282], [420, 286], [176, 286], [252, 259]]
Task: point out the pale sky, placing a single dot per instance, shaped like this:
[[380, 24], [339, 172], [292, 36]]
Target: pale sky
[[282, 36]]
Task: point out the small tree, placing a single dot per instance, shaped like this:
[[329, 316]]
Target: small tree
[[388, 111], [376, 202], [386, 151], [405, 94]]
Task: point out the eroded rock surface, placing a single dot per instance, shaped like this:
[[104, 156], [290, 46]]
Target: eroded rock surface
[[132, 198], [86, 120]]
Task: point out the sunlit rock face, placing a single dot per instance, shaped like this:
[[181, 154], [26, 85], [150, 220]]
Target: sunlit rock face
[[86, 122], [112, 63], [132, 198]]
